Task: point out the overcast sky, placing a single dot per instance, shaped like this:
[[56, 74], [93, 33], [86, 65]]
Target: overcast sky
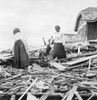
[[37, 18]]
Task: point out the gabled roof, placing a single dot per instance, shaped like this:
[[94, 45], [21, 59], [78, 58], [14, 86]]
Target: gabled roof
[[89, 15]]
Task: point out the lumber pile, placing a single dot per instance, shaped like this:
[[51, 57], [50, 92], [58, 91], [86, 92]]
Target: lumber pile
[[72, 78], [58, 79]]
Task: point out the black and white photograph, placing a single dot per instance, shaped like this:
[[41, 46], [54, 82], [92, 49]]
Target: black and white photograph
[[48, 49]]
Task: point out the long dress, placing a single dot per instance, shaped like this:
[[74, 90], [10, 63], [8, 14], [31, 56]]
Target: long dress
[[21, 58], [58, 50]]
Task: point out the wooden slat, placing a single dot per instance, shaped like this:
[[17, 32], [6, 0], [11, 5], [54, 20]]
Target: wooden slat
[[57, 65], [80, 60], [27, 89], [10, 78], [5, 56], [66, 95], [71, 94], [78, 95]]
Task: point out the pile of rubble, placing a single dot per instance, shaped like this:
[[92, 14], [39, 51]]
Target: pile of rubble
[[72, 78]]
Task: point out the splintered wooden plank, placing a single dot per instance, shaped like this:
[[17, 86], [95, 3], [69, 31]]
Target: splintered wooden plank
[[10, 78], [28, 89], [66, 95], [71, 94], [5, 56], [78, 95], [89, 83], [57, 65], [80, 60]]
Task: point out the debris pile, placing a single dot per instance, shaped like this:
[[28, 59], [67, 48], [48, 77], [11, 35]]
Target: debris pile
[[72, 78]]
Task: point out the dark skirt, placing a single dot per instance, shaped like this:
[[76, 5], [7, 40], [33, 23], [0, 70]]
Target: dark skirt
[[59, 51], [21, 58]]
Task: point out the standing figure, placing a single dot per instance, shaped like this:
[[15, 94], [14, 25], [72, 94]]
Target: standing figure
[[48, 49], [58, 50], [50, 42], [21, 58]]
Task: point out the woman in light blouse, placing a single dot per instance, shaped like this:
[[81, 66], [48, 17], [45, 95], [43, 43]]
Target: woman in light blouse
[[58, 50]]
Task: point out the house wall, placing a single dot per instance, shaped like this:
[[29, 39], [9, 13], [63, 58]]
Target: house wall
[[92, 31], [81, 21], [86, 31], [82, 29], [83, 32], [71, 38], [96, 29], [81, 36]]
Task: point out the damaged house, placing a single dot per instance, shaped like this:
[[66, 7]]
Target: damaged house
[[86, 24]]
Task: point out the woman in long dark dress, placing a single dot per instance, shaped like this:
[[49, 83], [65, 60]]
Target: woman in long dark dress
[[58, 50], [21, 58]]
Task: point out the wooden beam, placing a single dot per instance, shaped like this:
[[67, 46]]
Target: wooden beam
[[66, 95], [71, 94], [28, 89], [81, 60], [57, 65], [78, 95]]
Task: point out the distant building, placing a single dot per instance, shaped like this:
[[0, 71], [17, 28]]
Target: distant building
[[72, 38], [86, 24]]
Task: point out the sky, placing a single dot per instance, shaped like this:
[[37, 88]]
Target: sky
[[37, 18]]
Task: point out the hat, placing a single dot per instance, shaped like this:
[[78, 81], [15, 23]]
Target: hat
[[16, 30]]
